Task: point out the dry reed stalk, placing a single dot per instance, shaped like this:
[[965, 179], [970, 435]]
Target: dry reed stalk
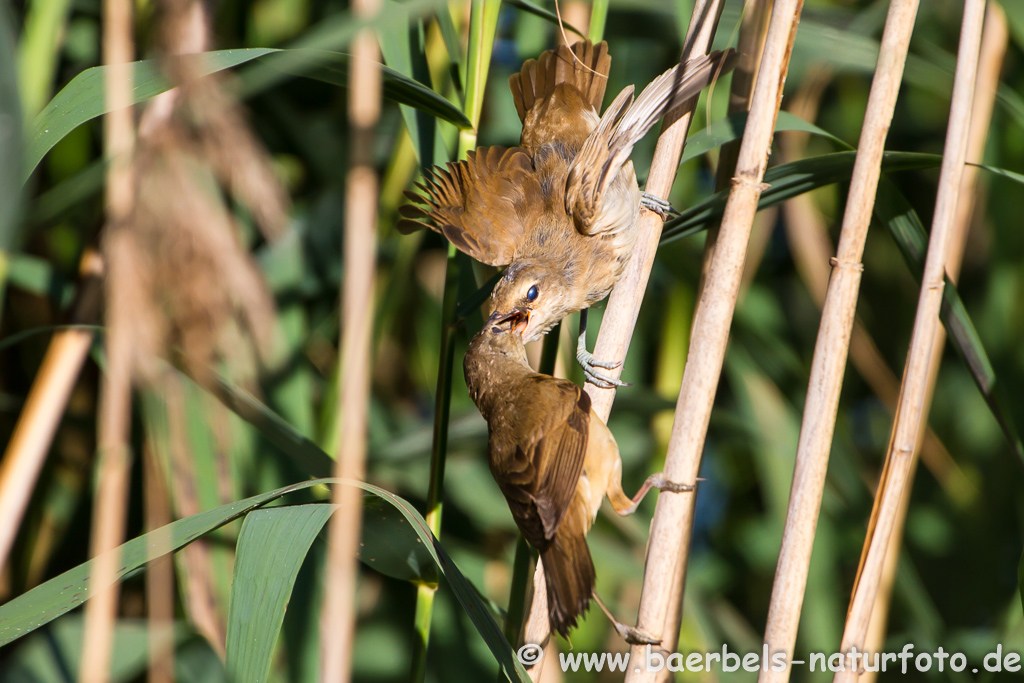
[[198, 594], [338, 617], [994, 42], [625, 300], [673, 516], [159, 577], [811, 248], [750, 46], [33, 433], [913, 401], [111, 499], [830, 352], [753, 29]]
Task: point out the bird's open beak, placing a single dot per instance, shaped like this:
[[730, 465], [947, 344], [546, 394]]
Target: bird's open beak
[[519, 319]]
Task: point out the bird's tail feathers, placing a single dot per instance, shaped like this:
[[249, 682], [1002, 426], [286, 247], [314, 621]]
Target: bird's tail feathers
[[568, 572], [584, 65]]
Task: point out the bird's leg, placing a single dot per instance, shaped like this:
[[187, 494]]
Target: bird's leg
[[630, 634], [657, 205], [624, 505], [590, 364]]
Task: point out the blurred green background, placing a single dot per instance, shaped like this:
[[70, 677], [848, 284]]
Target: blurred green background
[[956, 585]]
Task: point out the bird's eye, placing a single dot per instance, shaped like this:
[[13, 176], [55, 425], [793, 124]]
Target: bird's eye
[[532, 294]]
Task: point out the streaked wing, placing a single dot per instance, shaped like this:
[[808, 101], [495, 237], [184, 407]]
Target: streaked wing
[[540, 479], [479, 204], [607, 149]]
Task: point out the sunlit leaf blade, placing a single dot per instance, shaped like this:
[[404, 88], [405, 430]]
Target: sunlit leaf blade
[[83, 99], [451, 44], [464, 591], [271, 548], [10, 135], [894, 212], [277, 431]]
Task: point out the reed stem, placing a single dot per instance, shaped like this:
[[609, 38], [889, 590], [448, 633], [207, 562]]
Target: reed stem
[[33, 434], [337, 628], [830, 355], [667, 549], [111, 494], [994, 42], [910, 412]]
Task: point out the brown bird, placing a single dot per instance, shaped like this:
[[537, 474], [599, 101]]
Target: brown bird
[[561, 209], [554, 460]]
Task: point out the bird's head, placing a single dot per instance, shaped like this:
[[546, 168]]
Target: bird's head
[[534, 296]]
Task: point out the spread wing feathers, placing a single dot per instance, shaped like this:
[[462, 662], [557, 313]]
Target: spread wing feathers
[[537, 80], [540, 483], [608, 148], [479, 204]]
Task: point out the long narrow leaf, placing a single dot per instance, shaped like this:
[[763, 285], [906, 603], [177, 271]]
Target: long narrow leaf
[[271, 548], [789, 180], [63, 593], [894, 212], [82, 99]]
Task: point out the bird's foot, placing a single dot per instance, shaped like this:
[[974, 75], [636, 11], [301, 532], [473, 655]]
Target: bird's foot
[[590, 365], [635, 636], [658, 481], [657, 205], [630, 634]]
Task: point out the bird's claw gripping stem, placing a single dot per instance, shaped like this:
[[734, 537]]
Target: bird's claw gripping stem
[[636, 636], [657, 205], [590, 365], [658, 481]]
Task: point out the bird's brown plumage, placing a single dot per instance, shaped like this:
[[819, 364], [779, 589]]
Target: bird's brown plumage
[[553, 459], [561, 208]]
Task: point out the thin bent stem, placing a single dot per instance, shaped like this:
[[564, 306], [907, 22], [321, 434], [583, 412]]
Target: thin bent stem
[[828, 366], [482, 25], [910, 412]]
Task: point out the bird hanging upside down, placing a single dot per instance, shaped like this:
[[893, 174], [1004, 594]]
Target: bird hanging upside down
[[554, 460], [560, 210]]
